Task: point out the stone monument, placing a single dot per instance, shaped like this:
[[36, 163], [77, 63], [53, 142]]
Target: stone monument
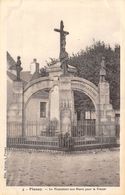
[[61, 94]]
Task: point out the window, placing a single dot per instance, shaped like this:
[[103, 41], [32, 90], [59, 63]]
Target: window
[[90, 115], [42, 109]]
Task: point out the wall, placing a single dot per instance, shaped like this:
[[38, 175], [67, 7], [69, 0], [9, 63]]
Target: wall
[[33, 123], [10, 95]]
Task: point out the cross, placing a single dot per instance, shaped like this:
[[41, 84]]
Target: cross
[[62, 39]]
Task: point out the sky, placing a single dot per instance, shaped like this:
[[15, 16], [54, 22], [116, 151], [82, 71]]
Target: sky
[[30, 27]]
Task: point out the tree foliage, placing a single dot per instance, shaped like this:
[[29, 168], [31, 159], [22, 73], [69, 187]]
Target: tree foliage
[[52, 61], [88, 62]]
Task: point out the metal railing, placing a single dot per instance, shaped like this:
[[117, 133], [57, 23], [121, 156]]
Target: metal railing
[[39, 135], [84, 128]]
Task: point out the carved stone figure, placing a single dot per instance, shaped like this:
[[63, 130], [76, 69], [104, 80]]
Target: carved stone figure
[[102, 70], [18, 68]]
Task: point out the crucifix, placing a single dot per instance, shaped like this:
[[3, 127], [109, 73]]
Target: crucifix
[[63, 56]]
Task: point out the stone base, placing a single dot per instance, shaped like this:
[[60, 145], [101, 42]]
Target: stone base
[[66, 121], [107, 129]]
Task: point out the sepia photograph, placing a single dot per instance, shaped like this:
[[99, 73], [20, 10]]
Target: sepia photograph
[[63, 65]]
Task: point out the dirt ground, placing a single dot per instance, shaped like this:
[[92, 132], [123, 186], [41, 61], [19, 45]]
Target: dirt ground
[[88, 168]]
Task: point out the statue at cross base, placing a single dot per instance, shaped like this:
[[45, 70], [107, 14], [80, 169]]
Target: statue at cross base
[[63, 56], [18, 68], [64, 62]]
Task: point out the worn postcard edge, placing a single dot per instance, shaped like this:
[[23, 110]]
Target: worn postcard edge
[[3, 86]]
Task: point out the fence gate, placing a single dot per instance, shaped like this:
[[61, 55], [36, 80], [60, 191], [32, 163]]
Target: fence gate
[[84, 128]]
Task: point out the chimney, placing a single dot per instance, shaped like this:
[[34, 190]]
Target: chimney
[[36, 74], [36, 64]]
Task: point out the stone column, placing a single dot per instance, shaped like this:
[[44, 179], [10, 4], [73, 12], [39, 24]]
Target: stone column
[[54, 112], [66, 104], [106, 112], [15, 112]]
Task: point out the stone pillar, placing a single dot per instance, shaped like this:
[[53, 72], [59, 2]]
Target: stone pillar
[[15, 112], [66, 98], [54, 112], [106, 112], [106, 115], [97, 119]]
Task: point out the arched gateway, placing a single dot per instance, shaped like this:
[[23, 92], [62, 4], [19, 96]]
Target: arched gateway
[[57, 114], [77, 83], [63, 87]]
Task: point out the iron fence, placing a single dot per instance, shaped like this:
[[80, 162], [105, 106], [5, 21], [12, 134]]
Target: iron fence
[[32, 129], [38, 135], [14, 129], [83, 128]]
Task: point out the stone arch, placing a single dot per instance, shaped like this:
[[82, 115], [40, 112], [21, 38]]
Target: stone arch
[[85, 86], [36, 85], [76, 83], [91, 90]]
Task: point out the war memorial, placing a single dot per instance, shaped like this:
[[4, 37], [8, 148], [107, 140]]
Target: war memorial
[[42, 111]]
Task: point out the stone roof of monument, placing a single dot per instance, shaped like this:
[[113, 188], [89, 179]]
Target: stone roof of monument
[[58, 64], [26, 76], [36, 75], [13, 77]]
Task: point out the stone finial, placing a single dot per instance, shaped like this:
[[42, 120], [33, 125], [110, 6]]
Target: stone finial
[[102, 70], [18, 68]]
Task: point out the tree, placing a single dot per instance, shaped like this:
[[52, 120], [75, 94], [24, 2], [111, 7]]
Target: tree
[[52, 61], [88, 62]]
